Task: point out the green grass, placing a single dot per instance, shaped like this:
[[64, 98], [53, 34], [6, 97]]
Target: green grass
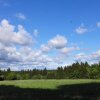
[[69, 89], [46, 84]]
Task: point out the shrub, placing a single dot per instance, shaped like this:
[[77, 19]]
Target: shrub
[[11, 76], [37, 76]]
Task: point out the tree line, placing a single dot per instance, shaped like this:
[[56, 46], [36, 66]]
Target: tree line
[[75, 71]]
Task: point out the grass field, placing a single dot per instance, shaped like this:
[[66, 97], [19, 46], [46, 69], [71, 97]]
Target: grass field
[[81, 89], [46, 84]]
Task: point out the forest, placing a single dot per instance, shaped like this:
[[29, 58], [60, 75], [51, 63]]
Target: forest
[[75, 71]]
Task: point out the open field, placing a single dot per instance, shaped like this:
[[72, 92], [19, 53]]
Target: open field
[[46, 84], [81, 89]]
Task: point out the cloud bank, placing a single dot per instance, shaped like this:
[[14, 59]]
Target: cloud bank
[[17, 49]]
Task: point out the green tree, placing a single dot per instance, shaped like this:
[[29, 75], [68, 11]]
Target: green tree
[[37, 76], [60, 73], [44, 73], [51, 75], [11, 76]]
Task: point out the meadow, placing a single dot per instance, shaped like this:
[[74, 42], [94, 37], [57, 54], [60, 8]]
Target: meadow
[[46, 84], [69, 89]]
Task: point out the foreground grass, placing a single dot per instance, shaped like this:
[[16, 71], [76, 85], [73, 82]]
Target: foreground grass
[[46, 84], [76, 89]]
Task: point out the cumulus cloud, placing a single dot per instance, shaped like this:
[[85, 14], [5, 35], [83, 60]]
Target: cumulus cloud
[[81, 57], [10, 40], [45, 48], [96, 55], [58, 42], [17, 52], [20, 16], [9, 36], [9, 54], [93, 57], [66, 50], [81, 29]]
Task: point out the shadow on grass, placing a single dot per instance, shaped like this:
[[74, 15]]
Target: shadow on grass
[[89, 91]]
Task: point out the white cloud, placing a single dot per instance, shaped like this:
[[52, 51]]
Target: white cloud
[[98, 24], [9, 54], [58, 42], [20, 16], [93, 57], [16, 49], [10, 40], [9, 36], [81, 29], [81, 57], [45, 48], [25, 50], [66, 50], [96, 55]]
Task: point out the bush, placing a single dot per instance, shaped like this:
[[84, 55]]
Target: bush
[[51, 75], [25, 76], [37, 76], [11, 76], [19, 77]]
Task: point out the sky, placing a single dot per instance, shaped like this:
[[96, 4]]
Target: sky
[[48, 33]]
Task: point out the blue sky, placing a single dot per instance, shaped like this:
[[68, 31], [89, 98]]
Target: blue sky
[[48, 33]]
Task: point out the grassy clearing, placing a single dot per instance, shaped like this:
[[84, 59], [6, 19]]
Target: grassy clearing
[[46, 84], [76, 89]]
